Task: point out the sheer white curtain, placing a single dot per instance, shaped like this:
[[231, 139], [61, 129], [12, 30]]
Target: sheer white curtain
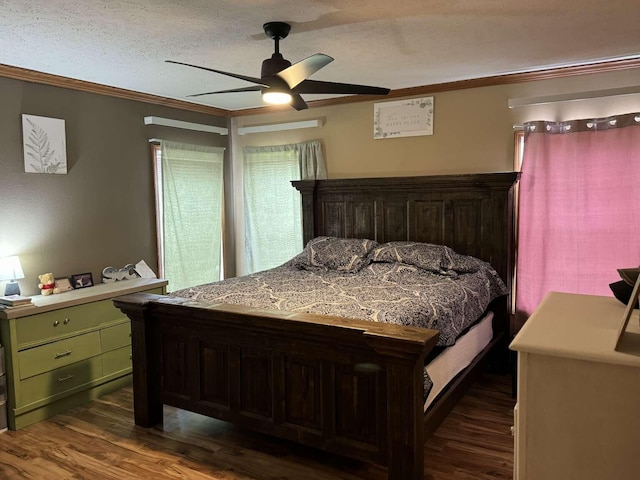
[[272, 207], [191, 178]]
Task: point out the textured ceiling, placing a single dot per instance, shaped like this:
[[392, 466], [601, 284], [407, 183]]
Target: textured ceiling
[[394, 44]]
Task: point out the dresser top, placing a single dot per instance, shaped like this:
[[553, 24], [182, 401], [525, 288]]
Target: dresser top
[[582, 327], [71, 298]]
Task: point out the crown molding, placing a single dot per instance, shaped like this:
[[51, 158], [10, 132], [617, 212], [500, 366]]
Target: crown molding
[[33, 76], [545, 74], [505, 79]]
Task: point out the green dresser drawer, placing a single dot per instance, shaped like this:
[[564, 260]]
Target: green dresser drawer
[[58, 381], [117, 361], [66, 350], [115, 337], [66, 321], [34, 361]]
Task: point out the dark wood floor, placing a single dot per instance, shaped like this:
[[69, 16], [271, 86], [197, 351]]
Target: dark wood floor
[[100, 441]]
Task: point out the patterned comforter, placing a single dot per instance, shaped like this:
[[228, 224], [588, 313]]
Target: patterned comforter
[[390, 286]]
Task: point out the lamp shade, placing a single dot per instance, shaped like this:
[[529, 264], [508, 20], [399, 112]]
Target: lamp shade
[[10, 268]]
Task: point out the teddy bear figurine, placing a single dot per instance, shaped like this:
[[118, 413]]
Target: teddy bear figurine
[[47, 284]]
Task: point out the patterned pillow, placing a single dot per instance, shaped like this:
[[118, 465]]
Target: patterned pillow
[[423, 255], [462, 263], [346, 255]]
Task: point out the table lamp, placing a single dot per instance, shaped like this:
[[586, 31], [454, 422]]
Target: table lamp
[[10, 269]]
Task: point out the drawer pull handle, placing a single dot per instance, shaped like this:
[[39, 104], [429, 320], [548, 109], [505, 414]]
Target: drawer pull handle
[[56, 323], [66, 321], [63, 354], [64, 379]]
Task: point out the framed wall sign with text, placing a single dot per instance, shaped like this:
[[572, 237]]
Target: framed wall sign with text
[[404, 118]]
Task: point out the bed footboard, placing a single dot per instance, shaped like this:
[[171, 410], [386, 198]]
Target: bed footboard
[[345, 386]]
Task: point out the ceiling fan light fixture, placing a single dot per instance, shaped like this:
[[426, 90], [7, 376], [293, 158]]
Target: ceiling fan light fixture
[[282, 83], [276, 98]]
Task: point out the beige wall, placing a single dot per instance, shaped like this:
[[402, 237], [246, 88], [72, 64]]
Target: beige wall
[[102, 212], [473, 128]]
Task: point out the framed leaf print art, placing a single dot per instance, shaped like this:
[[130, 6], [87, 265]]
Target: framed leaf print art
[[44, 145]]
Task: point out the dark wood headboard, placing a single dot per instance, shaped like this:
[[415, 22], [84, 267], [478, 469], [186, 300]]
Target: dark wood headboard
[[473, 214]]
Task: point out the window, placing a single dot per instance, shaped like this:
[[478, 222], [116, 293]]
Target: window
[[518, 152], [189, 200], [518, 140], [272, 208]]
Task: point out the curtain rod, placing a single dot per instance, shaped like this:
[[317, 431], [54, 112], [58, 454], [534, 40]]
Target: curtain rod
[[168, 122], [277, 127], [569, 97]]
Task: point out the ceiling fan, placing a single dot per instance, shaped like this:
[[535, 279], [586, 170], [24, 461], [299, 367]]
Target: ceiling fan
[[281, 82]]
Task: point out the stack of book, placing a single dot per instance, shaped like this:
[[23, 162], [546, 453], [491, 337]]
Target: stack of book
[[11, 302]]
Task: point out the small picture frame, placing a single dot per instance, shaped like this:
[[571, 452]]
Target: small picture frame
[[82, 280], [63, 284]]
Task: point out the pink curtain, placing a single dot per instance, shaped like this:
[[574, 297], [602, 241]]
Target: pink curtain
[[579, 207]]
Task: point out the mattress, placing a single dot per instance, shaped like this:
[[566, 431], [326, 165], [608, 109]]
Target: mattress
[[452, 360]]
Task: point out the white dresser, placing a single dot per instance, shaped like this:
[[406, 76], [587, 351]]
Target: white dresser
[[578, 405]]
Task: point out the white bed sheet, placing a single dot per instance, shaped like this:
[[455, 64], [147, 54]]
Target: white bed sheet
[[452, 360]]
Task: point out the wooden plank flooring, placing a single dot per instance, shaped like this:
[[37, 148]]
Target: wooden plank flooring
[[99, 441]]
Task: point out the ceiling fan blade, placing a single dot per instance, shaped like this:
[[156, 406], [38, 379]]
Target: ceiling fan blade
[[229, 74], [298, 102], [314, 86], [255, 88], [303, 69]]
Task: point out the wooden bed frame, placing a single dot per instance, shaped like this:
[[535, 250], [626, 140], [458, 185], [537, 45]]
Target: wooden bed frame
[[346, 386]]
